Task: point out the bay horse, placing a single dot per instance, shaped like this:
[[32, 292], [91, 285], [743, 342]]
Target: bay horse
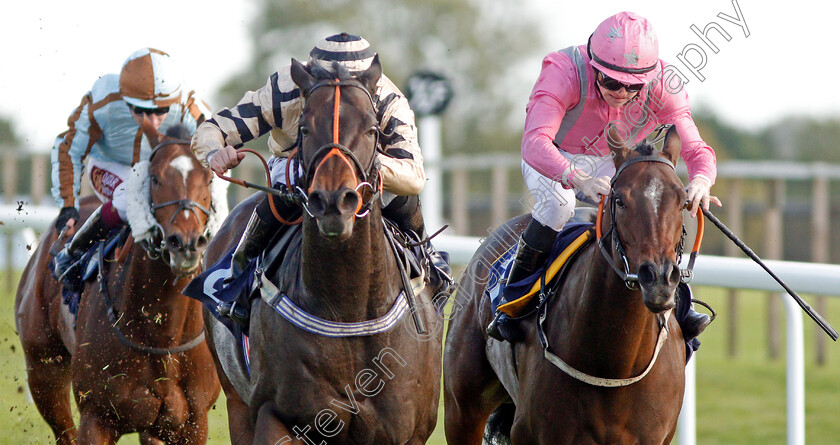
[[376, 387], [608, 372], [134, 358]]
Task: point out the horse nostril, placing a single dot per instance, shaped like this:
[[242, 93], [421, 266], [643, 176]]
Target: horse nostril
[[349, 201], [174, 241], [201, 242], [647, 274], [316, 203], [674, 276]]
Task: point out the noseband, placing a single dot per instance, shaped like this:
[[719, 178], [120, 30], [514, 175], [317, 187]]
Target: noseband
[[630, 279], [369, 175]]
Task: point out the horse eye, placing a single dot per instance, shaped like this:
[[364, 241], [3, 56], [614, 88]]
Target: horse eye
[[155, 180], [304, 131], [619, 203], [372, 130]]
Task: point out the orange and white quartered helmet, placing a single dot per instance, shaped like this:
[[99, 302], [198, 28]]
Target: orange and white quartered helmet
[[150, 79], [625, 48]]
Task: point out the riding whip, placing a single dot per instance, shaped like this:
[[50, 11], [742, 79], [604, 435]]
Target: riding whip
[[805, 307]]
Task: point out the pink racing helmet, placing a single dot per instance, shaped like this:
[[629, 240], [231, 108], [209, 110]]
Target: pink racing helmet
[[625, 48]]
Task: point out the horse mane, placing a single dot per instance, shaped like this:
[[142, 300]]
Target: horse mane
[[179, 131]]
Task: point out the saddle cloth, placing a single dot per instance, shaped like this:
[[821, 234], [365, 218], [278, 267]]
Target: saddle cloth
[[520, 295], [89, 264], [568, 242], [282, 259]]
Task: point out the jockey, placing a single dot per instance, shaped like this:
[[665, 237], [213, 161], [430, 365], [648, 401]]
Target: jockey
[[616, 78], [275, 109], [107, 128]]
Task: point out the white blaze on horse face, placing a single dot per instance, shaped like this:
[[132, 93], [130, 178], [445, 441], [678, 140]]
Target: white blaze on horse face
[[184, 165], [653, 192]]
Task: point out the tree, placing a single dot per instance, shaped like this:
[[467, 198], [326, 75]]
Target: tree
[[7, 132], [479, 46]]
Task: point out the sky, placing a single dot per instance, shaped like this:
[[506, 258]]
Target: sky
[[54, 50]]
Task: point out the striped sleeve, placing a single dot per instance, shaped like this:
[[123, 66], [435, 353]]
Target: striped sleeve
[[68, 153], [402, 163], [257, 113], [195, 109]]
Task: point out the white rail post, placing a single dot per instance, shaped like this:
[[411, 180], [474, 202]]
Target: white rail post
[[795, 372], [687, 425], [429, 94], [432, 194]]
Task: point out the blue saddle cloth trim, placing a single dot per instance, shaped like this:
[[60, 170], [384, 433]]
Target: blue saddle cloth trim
[[501, 267], [310, 323], [209, 289]]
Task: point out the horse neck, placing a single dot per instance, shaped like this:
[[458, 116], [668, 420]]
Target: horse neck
[[148, 294], [349, 280], [616, 330]]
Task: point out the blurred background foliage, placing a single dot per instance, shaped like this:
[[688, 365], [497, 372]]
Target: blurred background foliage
[[8, 135], [483, 59], [495, 44]]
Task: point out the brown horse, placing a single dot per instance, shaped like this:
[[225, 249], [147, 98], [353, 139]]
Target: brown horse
[[306, 387], [602, 323], [135, 354]]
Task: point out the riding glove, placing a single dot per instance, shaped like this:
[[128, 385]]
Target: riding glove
[[589, 186]]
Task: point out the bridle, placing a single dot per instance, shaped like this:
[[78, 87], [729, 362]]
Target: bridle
[[186, 204], [154, 253], [364, 176], [631, 279]]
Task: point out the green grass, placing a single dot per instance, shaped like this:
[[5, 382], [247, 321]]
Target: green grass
[[740, 400]]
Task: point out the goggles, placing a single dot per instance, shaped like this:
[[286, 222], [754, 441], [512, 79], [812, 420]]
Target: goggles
[[614, 85], [148, 111]]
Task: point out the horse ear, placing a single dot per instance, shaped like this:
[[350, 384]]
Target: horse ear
[[301, 77], [371, 76], [152, 133], [673, 144], [618, 147]]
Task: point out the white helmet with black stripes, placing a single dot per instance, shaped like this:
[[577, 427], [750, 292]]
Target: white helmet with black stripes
[[349, 50]]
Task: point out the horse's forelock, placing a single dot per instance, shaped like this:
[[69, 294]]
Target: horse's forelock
[[645, 148], [335, 71], [179, 131]]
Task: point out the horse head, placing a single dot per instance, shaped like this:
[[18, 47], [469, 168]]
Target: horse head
[[175, 221], [645, 216], [339, 136]]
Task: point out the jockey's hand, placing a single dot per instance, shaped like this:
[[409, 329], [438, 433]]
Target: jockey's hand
[[224, 159], [66, 217], [593, 188], [699, 194]]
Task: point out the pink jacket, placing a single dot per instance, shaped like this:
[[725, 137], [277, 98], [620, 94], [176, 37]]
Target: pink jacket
[[557, 92]]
